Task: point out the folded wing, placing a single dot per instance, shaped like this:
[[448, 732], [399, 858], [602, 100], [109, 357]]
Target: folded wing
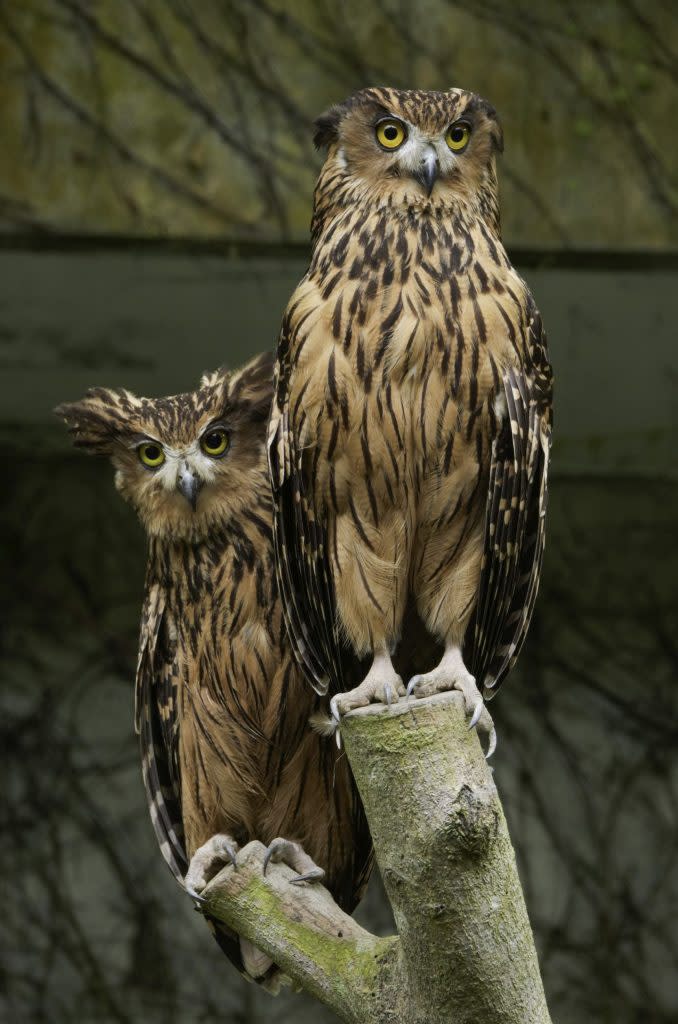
[[515, 517]]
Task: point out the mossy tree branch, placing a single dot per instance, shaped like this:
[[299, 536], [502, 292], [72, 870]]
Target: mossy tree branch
[[464, 952]]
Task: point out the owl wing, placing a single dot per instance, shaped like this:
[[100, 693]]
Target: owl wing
[[300, 538], [515, 517], [156, 722]]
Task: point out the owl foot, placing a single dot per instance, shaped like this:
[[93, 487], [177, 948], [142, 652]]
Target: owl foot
[[292, 854], [207, 861], [452, 674], [381, 685]]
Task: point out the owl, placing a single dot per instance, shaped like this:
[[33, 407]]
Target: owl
[[410, 429], [222, 710]]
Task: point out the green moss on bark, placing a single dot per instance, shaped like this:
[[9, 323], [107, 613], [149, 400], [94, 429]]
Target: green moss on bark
[[464, 953]]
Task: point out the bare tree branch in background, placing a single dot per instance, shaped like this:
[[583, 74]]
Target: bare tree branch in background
[[245, 78]]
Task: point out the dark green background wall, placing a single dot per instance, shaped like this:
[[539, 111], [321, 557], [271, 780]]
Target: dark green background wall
[[94, 927]]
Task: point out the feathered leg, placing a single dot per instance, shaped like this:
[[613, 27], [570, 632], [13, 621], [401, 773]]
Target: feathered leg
[[445, 582]]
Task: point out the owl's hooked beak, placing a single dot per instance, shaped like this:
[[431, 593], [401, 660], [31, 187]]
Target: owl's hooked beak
[[428, 172], [189, 485]]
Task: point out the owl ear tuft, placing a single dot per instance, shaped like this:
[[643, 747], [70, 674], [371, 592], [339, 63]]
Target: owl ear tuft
[[497, 132], [215, 378], [496, 129], [97, 422], [249, 390], [326, 127]]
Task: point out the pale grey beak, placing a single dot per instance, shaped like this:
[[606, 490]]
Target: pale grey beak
[[428, 172], [189, 484]]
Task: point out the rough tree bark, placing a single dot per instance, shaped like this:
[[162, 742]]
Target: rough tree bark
[[464, 952]]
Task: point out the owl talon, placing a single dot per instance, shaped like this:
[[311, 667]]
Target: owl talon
[[337, 718], [207, 861], [231, 855], [200, 900], [381, 685], [412, 684], [310, 876], [452, 674], [290, 853], [475, 717]]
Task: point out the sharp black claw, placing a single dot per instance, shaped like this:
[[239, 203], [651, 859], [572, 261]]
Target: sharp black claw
[[267, 859], [310, 876], [200, 900]]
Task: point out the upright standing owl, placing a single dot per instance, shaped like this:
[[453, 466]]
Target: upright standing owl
[[221, 708], [411, 423]]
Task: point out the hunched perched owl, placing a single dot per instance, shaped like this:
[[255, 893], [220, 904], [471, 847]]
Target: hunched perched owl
[[411, 423], [221, 708]]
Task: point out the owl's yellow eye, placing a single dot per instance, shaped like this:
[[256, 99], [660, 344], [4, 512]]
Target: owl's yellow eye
[[214, 443], [390, 133], [151, 454], [457, 136]]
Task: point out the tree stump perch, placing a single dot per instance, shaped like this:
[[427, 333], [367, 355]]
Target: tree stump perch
[[464, 953]]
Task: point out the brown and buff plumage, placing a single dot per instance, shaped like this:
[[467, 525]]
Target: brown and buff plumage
[[221, 709], [410, 430]]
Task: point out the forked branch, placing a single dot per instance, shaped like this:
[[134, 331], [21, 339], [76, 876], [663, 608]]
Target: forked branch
[[464, 950]]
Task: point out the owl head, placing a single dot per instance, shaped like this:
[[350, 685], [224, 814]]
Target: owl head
[[412, 148], [186, 463]]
